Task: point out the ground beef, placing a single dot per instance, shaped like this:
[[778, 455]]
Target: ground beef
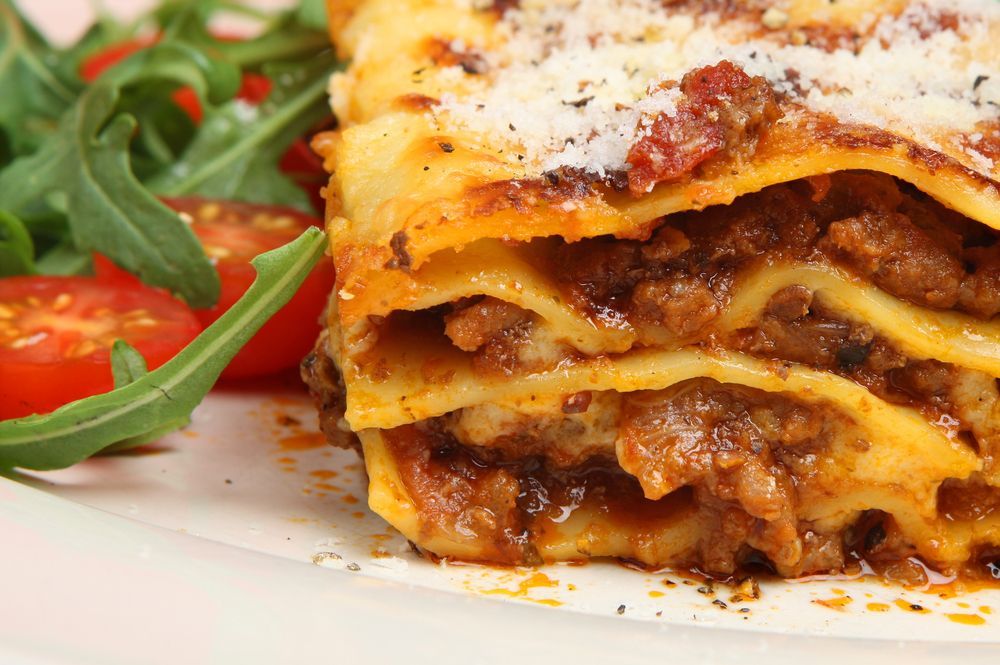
[[899, 257], [727, 442], [502, 354], [668, 244], [495, 331], [866, 223], [967, 500], [980, 290], [822, 553], [877, 538], [326, 385], [602, 272], [787, 331], [929, 381], [793, 328], [459, 497], [471, 327], [681, 304]]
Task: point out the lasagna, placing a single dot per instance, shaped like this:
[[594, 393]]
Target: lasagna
[[705, 284]]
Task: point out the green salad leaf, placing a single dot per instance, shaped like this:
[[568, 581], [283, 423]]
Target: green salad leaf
[[34, 94], [17, 251], [236, 153], [81, 166], [127, 364], [312, 13], [286, 39], [146, 406], [108, 208]]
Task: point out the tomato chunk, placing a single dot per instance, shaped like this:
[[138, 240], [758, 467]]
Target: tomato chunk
[[56, 335], [232, 235]]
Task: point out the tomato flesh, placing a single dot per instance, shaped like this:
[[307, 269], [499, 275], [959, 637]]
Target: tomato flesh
[[56, 335], [232, 235]]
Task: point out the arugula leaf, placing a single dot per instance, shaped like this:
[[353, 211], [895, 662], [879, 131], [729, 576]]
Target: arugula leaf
[[236, 153], [163, 399], [108, 209], [286, 39], [312, 14], [63, 259], [17, 251], [33, 95], [127, 364]]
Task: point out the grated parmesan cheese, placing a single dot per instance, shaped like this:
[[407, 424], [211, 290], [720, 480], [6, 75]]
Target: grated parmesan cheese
[[569, 87]]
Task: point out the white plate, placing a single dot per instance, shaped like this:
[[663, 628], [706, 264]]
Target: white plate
[[243, 539]]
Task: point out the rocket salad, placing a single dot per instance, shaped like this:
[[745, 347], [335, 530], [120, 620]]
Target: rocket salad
[[141, 171]]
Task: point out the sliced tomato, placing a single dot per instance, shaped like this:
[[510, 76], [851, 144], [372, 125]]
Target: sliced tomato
[[56, 335], [232, 235]]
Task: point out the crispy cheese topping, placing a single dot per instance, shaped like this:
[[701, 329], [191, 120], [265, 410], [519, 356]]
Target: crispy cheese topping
[[577, 83]]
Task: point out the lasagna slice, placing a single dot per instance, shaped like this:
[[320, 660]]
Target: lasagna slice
[[685, 283]]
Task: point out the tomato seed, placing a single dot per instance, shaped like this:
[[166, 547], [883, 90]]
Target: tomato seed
[[139, 323], [24, 342], [84, 348], [209, 212], [107, 341], [217, 252], [267, 222], [62, 302]]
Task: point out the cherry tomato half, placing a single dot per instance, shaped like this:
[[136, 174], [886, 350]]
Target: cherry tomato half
[[233, 234], [56, 335]]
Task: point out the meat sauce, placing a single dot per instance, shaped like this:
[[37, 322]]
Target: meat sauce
[[722, 115], [744, 453], [866, 223], [508, 510], [522, 503], [742, 457], [675, 286], [739, 458]]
